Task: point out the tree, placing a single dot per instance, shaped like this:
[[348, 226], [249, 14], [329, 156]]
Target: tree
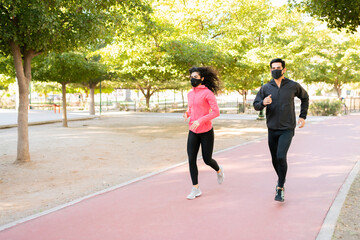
[[193, 39], [339, 14], [96, 72], [31, 27], [140, 62], [45, 88], [336, 61], [183, 53], [242, 77], [64, 68], [245, 30], [149, 73]]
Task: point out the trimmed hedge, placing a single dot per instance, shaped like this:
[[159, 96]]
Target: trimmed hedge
[[325, 107]]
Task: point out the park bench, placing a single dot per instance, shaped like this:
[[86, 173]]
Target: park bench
[[54, 106]]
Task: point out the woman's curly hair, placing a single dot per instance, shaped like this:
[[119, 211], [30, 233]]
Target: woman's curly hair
[[211, 78]]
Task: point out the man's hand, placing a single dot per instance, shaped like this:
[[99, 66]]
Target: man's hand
[[194, 126], [301, 122], [267, 100]]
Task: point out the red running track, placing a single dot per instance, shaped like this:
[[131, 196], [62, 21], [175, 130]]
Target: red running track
[[320, 158]]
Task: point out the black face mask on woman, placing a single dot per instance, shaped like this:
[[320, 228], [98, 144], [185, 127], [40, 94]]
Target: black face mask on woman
[[195, 82], [276, 74]]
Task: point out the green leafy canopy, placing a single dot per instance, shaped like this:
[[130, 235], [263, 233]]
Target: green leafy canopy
[[339, 14], [55, 25]]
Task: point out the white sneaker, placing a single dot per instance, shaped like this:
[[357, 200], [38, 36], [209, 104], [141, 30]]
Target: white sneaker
[[221, 175], [195, 192]]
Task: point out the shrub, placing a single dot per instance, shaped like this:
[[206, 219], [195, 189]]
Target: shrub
[[325, 107], [6, 102], [155, 108]]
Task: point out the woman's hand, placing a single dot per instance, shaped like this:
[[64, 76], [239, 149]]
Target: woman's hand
[[185, 116], [194, 126]]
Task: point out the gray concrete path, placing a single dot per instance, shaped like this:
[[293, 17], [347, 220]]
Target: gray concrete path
[[8, 117]]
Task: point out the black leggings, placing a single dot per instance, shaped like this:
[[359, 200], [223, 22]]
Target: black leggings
[[207, 144], [279, 142]]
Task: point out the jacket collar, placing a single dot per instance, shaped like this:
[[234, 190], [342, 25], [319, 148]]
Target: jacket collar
[[199, 87], [283, 82]]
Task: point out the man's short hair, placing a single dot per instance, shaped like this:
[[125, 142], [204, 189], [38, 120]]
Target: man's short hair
[[278, 60]]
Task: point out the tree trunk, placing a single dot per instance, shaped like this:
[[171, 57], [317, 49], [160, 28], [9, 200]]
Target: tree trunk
[[92, 100], [338, 90], [337, 87], [244, 99], [183, 98], [243, 94], [63, 86], [147, 96], [23, 74]]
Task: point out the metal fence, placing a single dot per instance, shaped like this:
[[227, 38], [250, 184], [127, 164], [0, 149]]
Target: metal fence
[[352, 104], [227, 105]]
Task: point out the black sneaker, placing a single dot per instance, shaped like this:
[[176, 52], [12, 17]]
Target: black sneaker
[[279, 194]]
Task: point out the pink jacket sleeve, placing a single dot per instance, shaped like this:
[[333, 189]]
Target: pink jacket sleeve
[[210, 97], [188, 111]]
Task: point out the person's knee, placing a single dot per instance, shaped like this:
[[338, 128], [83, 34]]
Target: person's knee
[[208, 161], [192, 161], [282, 161]]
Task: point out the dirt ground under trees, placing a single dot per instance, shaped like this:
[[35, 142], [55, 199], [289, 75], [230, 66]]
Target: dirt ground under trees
[[89, 156]]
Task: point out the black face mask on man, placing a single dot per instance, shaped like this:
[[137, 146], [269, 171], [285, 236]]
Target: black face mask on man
[[276, 74], [195, 82]]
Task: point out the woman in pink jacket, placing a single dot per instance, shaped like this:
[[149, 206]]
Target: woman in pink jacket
[[202, 109]]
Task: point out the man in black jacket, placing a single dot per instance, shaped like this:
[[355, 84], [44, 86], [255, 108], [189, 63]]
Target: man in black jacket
[[278, 98]]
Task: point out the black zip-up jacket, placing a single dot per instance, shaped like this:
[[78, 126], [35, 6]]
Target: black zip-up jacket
[[280, 114]]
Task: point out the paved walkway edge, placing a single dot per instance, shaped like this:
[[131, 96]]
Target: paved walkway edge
[[328, 227], [48, 122], [22, 220]]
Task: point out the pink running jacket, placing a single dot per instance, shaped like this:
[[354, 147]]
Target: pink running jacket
[[202, 107]]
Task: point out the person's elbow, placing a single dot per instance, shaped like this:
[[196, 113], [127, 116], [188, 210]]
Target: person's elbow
[[305, 98], [258, 106], [216, 112]]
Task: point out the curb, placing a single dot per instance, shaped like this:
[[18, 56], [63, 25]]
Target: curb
[[47, 122], [328, 227]]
